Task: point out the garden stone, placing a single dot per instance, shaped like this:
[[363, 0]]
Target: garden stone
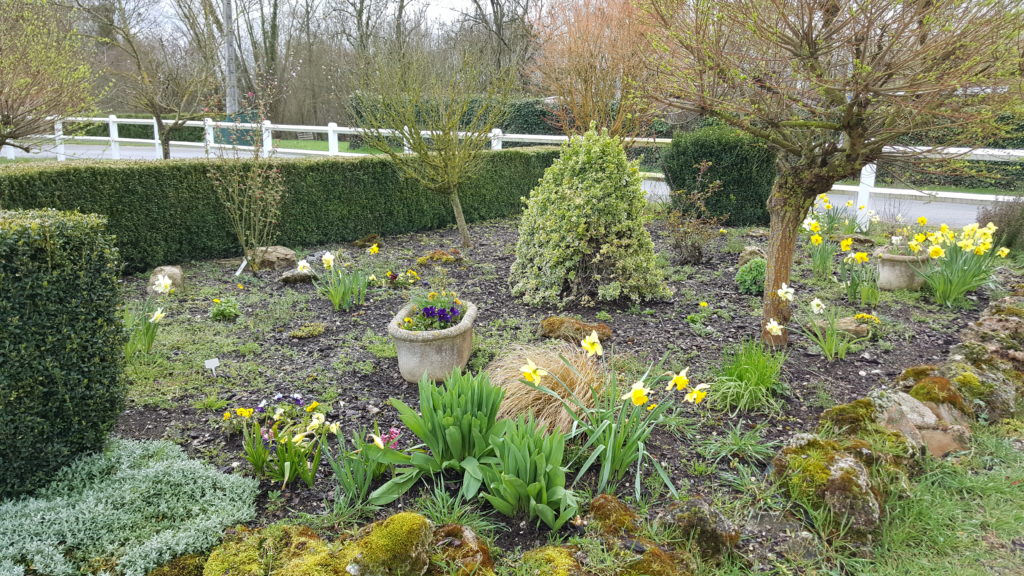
[[751, 252], [940, 443], [396, 546], [459, 547], [611, 516], [849, 325], [275, 258], [858, 239], [914, 411], [712, 532], [173, 273], [948, 415], [848, 493], [297, 277]]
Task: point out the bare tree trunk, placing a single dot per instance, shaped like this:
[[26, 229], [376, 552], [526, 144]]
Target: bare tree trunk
[[165, 137], [460, 219], [787, 205]]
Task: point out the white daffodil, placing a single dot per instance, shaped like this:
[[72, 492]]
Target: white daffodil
[[162, 284], [773, 327], [328, 260], [157, 316], [786, 292], [817, 306], [303, 267]]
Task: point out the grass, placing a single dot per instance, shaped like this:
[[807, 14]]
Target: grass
[[748, 379], [321, 146], [738, 444]]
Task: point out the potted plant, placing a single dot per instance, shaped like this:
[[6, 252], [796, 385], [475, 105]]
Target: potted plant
[[900, 264], [433, 335]]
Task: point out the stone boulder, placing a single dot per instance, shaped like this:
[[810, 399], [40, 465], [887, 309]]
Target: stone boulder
[[274, 258], [552, 561], [571, 329], [937, 426], [751, 252], [173, 273], [297, 276], [458, 551], [611, 516], [850, 325], [695, 519], [396, 546]]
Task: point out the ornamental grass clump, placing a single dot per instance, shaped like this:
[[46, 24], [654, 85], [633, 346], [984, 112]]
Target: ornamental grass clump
[[821, 326], [582, 236]]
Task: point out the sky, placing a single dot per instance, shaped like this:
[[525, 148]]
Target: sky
[[446, 10]]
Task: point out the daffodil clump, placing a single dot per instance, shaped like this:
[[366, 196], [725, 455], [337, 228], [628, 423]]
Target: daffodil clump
[[434, 311], [960, 261], [820, 324], [342, 284], [858, 275], [145, 321], [615, 430], [822, 249], [283, 438], [835, 219]]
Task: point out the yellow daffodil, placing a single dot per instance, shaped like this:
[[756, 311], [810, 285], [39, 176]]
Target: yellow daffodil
[[861, 207], [823, 197], [966, 244], [373, 249], [786, 293], [922, 221], [816, 240], [298, 438], [703, 304], [680, 380], [846, 244], [983, 248], [312, 406], [936, 251], [313, 426], [849, 203], [827, 206], [328, 260], [914, 246], [377, 441], [697, 395], [861, 257], [919, 237], [227, 415], [814, 226], [773, 327], [303, 267], [944, 228], [1003, 252], [638, 394], [592, 344], [244, 412], [372, 278], [157, 316], [531, 373]]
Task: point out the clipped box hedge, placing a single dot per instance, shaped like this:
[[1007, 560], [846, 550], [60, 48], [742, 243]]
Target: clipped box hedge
[[166, 212], [61, 343]]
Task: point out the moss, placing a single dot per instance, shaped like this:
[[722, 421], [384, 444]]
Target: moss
[[439, 257], [318, 560], [571, 329], [849, 417], [941, 391], [458, 551], [188, 565], [553, 561], [611, 516], [368, 240], [395, 546], [803, 470], [262, 552], [1005, 308], [311, 330], [916, 373], [972, 386], [654, 562]]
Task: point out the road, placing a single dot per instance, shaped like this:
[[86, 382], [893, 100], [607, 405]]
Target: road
[[909, 206]]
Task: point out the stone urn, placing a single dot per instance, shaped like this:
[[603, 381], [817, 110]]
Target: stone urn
[[900, 272], [434, 353]]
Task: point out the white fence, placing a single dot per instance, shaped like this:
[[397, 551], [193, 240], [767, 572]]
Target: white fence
[[266, 131]]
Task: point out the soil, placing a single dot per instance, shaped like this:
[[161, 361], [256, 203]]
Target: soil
[[337, 367]]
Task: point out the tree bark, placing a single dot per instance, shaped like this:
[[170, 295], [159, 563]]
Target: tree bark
[[460, 219], [792, 195]]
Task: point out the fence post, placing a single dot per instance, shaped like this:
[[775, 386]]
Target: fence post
[[405, 143], [58, 137], [9, 152], [864, 188], [115, 146], [208, 136], [156, 140], [332, 138], [268, 140], [496, 139]]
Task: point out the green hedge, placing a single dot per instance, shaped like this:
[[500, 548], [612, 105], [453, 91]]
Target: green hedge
[[61, 340], [167, 212], [745, 167]]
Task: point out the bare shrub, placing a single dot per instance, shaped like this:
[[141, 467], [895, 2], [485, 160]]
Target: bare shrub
[[1009, 217]]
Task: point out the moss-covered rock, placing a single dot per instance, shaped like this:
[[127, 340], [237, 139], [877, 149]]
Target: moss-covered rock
[[849, 417], [941, 391], [396, 546], [571, 329], [819, 474], [552, 561], [188, 565], [440, 257], [311, 330], [611, 516], [262, 552], [916, 373], [697, 520], [456, 550], [655, 562]]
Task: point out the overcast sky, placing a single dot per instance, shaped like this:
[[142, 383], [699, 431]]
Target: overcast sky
[[446, 9]]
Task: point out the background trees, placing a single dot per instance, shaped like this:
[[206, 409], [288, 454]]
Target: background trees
[[832, 84]]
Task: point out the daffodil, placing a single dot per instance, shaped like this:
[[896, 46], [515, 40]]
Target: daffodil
[[373, 249], [1003, 252], [817, 306], [773, 327], [861, 257], [922, 221], [697, 395], [377, 441], [914, 246], [592, 344], [162, 284], [861, 207], [303, 267], [638, 394], [814, 226], [846, 244], [312, 406], [816, 240], [680, 380], [334, 427], [157, 316], [919, 237], [849, 203], [703, 304], [328, 260], [786, 293], [531, 373], [807, 224], [827, 206], [936, 251]]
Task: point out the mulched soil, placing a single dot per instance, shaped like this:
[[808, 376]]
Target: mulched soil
[[912, 333]]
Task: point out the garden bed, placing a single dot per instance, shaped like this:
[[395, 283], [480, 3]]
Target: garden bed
[[351, 365]]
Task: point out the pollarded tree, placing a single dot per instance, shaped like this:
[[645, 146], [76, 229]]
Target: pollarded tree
[[43, 76], [833, 85], [582, 236]]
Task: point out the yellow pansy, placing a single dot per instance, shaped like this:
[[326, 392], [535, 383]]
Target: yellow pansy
[[592, 344], [703, 304], [651, 406], [312, 406], [531, 373], [244, 412], [227, 415], [922, 221], [373, 249]]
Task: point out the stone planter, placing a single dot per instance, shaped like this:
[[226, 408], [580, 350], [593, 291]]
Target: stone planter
[[898, 272], [433, 352]]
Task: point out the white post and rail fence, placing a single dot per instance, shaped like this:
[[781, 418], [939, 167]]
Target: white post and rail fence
[[265, 130]]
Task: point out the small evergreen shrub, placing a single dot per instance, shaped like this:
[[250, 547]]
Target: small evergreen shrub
[[61, 343], [750, 277], [125, 511], [745, 168], [582, 235]]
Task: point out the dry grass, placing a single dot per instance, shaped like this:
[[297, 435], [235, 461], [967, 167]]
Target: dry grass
[[580, 376]]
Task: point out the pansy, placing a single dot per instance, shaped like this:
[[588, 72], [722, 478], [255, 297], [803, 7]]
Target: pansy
[[373, 249]]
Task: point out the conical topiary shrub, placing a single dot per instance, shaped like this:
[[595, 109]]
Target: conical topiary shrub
[[582, 235]]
